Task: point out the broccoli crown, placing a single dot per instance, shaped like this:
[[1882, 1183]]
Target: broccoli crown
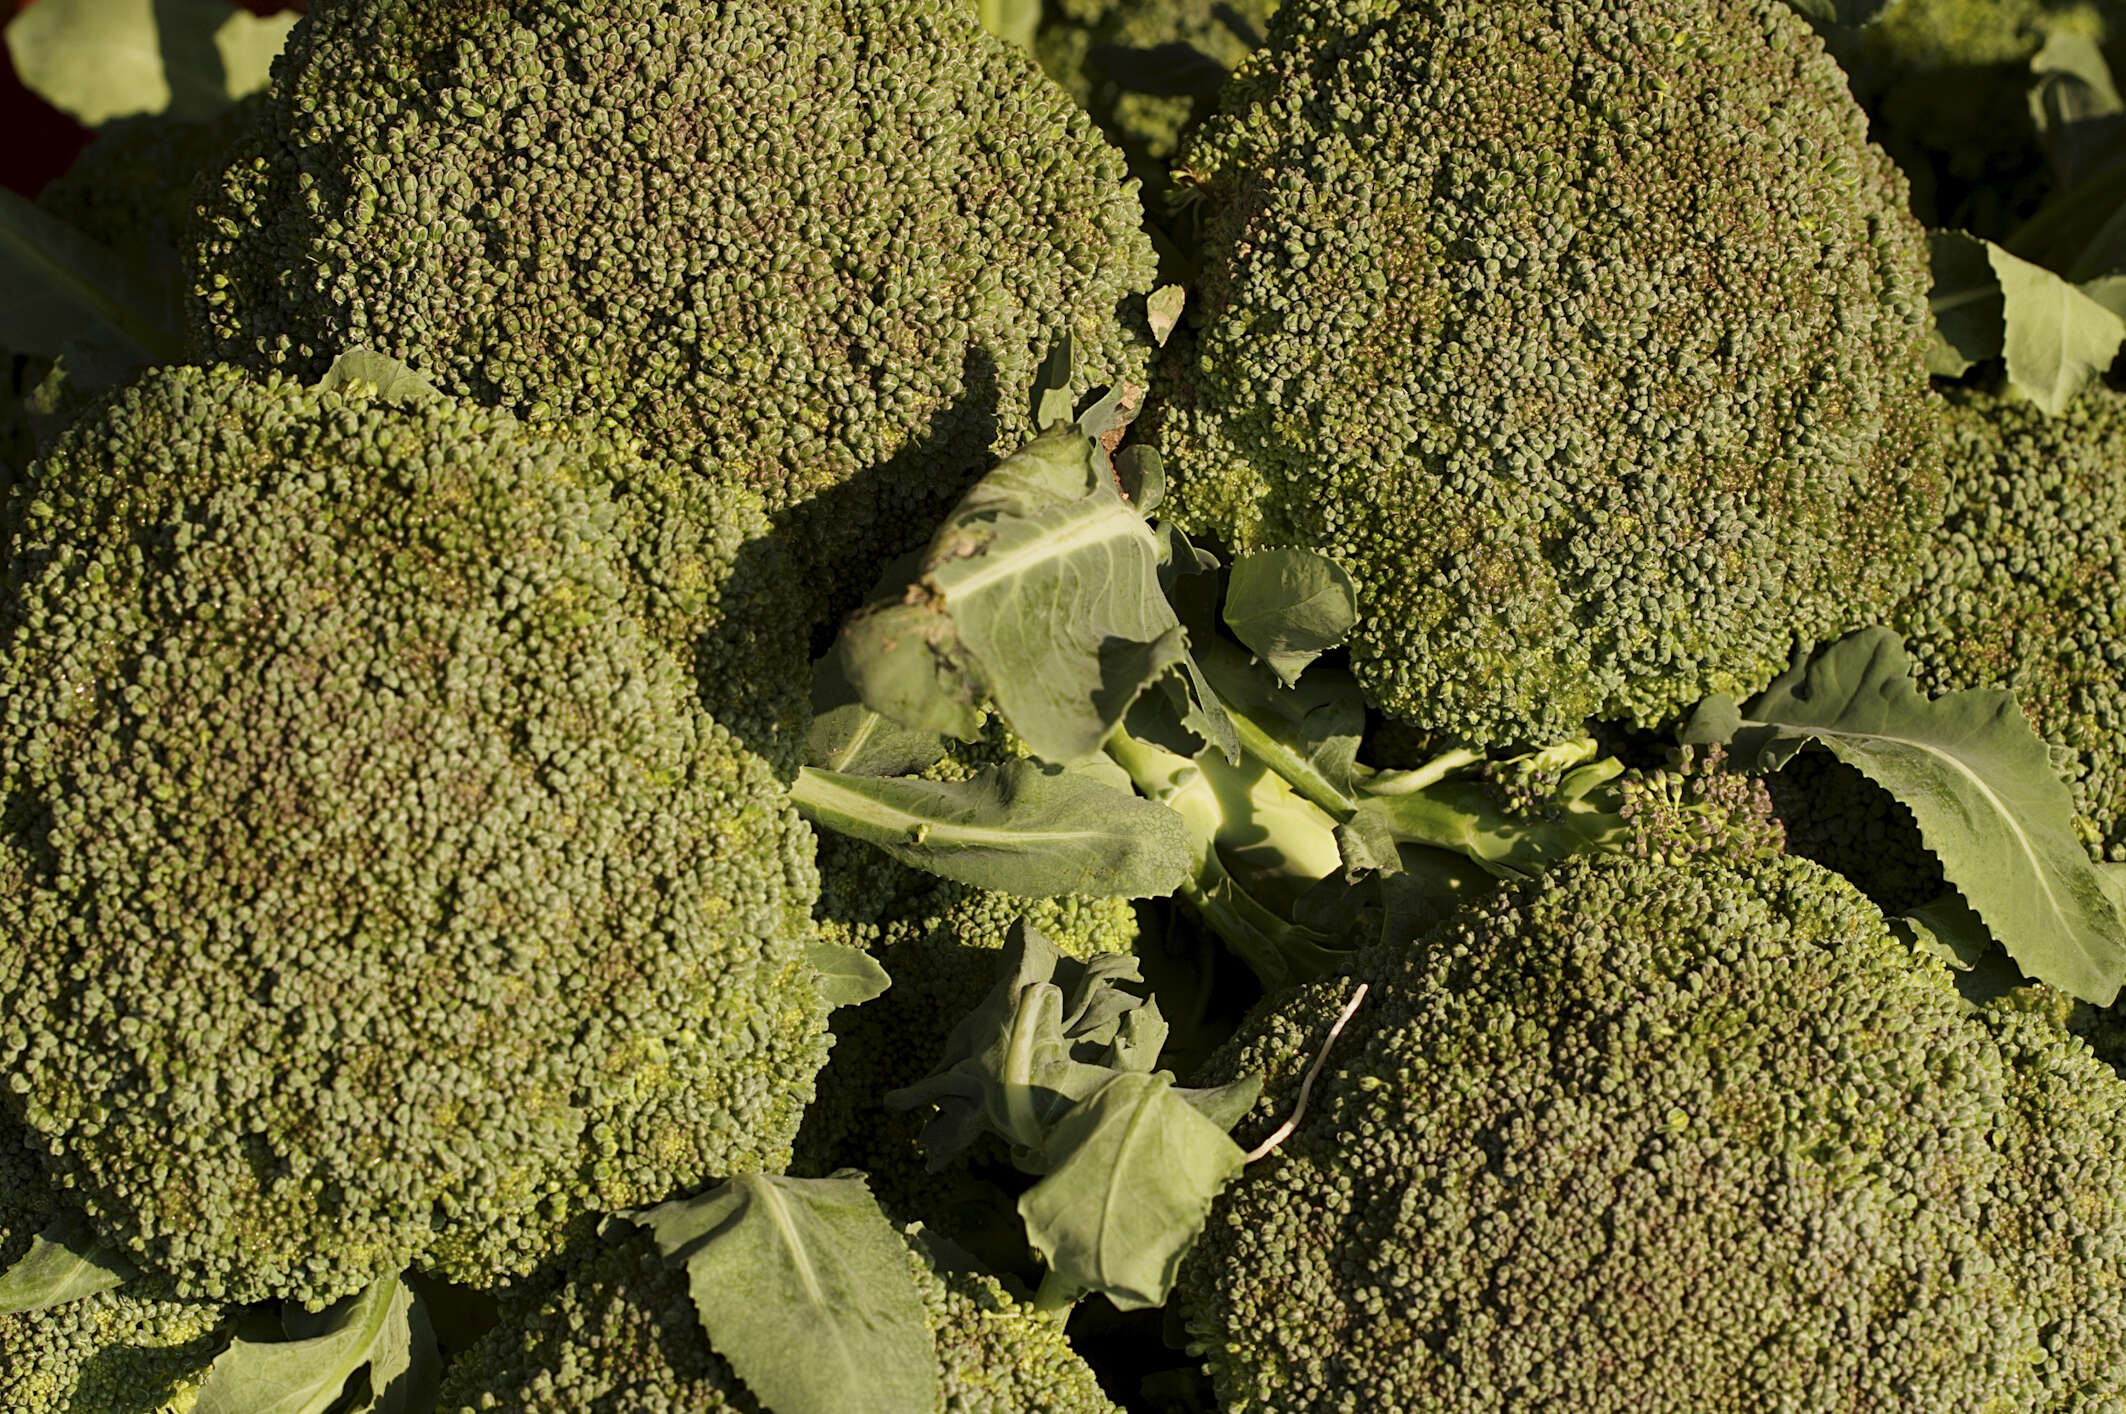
[[622, 1337], [818, 247], [1150, 124], [2025, 583], [1586, 334], [117, 1352], [942, 944], [1653, 1138], [134, 187], [383, 895]]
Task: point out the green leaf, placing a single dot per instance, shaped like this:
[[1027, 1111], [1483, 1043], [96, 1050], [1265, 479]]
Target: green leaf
[[2056, 337], [375, 377], [96, 60], [1976, 778], [1016, 828], [2074, 105], [62, 294], [1047, 1035], [1163, 308], [1132, 1172], [1966, 299], [65, 1262], [308, 1373], [849, 737], [847, 976], [806, 1288], [1013, 21], [1040, 595], [1947, 928], [1289, 607]]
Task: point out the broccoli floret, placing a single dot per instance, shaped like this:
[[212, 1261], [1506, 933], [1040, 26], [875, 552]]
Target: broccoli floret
[[1668, 1138], [1586, 334], [2025, 584], [942, 944], [818, 248], [622, 1335], [384, 896], [1145, 124], [124, 1351], [1947, 83]]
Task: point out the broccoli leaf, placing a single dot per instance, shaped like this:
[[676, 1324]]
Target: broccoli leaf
[[1132, 1172], [847, 736], [65, 1262], [847, 976], [1047, 1035], [1016, 828], [360, 373], [804, 1286], [2056, 338], [1040, 594], [1162, 309], [96, 60], [1947, 928], [1013, 21], [62, 294], [1966, 300], [308, 1372], [1976, 778], [2074, 105], [1289, 607]]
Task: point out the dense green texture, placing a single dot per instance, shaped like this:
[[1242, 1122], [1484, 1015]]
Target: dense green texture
[[816, 247], [119, 1352], [621, 1337], [1586, 336], [2025, 583], [383, 895], [942, 943], [1664, 1139]]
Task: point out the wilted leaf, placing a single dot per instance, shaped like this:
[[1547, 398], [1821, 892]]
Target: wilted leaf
[[65, 1262], [1015, 828], [1132, 1172], [1976, 778], [805, 1287], [1163, 308]]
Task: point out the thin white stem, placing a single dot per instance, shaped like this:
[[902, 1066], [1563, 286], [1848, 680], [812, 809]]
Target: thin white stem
[[1306, 1086]]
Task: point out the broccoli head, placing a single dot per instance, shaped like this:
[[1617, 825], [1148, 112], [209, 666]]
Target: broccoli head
[[384, 897], [818, 248], [622, 1337], [2025, 583], [118, 1352], [1586, 334], [1668, 1138]]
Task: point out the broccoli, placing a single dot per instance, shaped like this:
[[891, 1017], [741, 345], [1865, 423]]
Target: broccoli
[[816, 248], [1656, 1137], [1585, 334], [1947, 84], [383, 895], [941, 943], [622, 1335], [117, 1352], [1074, 47], [2025, 583]]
